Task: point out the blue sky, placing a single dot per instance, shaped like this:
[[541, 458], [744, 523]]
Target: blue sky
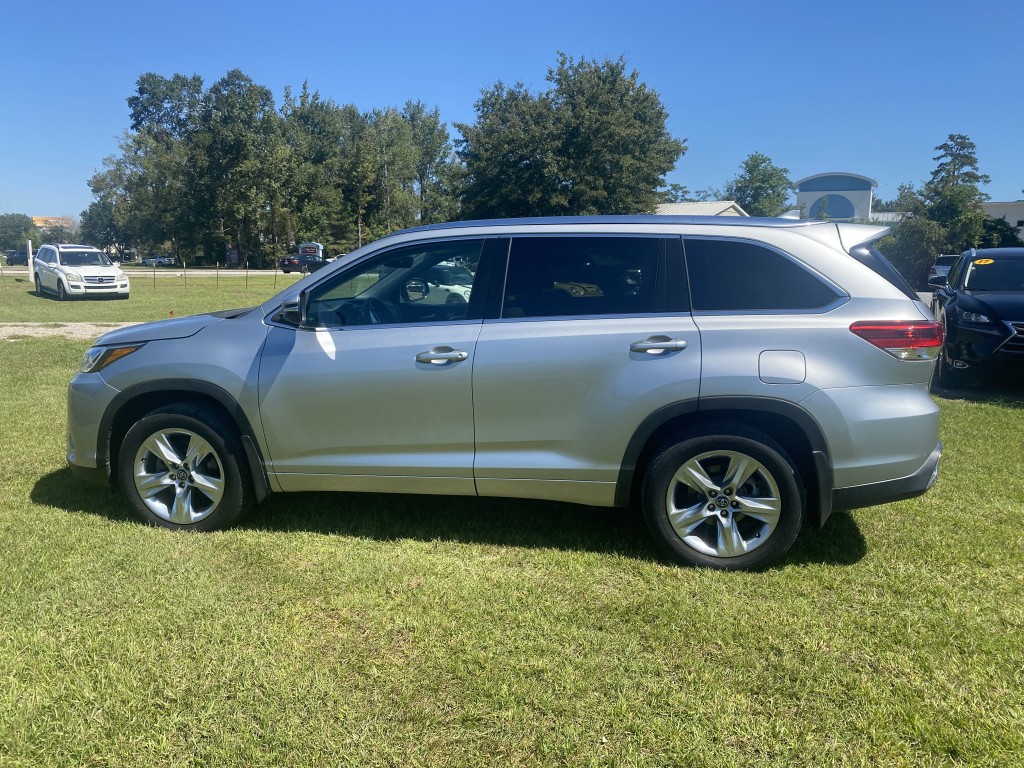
[[870, 87]]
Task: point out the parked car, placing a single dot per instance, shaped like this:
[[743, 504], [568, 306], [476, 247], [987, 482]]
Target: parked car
[[447, 284], [159, 261], [18, 259], [942, 265], [77, 270], [733, 377], [981, 307], [301, 262]]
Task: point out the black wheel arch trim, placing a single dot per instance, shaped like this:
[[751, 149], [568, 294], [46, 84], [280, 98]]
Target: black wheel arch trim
[[707, 408], [257, 468]]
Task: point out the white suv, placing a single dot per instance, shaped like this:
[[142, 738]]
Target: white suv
[[731, 377], [78, 270]]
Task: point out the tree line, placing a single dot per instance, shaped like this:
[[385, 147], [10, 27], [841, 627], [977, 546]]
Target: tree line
[[202, 170]]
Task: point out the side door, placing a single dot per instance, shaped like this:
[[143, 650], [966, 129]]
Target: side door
[[374, 393], [593, 336], [45, 261]]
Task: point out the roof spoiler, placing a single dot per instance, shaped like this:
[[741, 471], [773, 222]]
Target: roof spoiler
[[852, 235]]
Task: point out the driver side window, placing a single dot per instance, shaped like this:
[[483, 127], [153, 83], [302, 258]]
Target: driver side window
[[424, 283]]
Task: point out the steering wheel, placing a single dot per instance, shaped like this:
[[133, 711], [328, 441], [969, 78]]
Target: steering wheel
[[377, 312]]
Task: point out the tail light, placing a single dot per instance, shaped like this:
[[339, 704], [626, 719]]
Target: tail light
[[903, 339]]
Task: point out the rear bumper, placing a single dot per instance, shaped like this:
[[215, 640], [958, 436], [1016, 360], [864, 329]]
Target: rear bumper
[[908, 487], [93, 475]]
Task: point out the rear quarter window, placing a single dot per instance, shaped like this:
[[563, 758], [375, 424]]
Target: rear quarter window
[[877, 263], [741, 276]]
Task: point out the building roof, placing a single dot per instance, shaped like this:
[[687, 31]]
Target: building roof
[[711, 208], [835, 181]]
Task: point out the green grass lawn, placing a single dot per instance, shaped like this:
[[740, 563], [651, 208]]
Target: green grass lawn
[[368, 630], [151, 298]]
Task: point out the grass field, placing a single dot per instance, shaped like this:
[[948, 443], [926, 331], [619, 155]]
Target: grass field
[[370, 630], [151, 298]]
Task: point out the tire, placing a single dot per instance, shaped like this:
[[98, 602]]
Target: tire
[[183, 467], [699, 516], [61, 293], [39, 287], [944, 375]]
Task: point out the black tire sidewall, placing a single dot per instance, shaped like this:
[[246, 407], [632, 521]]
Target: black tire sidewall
[[759, 447], [238, 494]]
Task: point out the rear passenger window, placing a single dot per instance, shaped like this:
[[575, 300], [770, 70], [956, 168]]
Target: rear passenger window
[[571, 276], [737, 276]]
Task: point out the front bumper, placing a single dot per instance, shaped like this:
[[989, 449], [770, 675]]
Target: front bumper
[[1002, 342], [119, 288]]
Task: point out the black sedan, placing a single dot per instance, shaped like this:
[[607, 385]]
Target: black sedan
[[301, 262], [981, 308]]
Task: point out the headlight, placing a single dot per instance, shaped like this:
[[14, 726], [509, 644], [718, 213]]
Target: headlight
[[73, 276], [975, 317], [98, 358], [120, 275]]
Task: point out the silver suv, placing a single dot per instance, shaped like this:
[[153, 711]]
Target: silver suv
[[732, 377]]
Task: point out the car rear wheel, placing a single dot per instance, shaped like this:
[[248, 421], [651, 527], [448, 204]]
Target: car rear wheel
[[39, 287], [183, 467], [727, 498]]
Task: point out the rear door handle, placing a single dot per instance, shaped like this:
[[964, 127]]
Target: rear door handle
[[655, 345], [442, 356]]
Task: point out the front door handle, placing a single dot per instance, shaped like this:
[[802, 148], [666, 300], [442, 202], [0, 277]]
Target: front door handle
[[442, 356], [656, 345]]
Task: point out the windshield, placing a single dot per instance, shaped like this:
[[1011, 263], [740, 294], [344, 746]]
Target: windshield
[[987, 274], [84, 259]]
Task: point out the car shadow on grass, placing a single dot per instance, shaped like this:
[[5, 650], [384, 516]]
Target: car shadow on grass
[[1004, 388], [469, 520]]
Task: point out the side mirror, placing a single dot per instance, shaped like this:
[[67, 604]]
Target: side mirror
[[938, 281], [416, 289], [294, 310]]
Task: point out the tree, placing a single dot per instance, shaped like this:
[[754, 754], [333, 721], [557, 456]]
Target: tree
[[509, 156], [907, 200], [952, 196], [434, 163], [613, 148], [762, 188], [999, 233], [945, 216], [595, 142], [912, 248], [15, 230], [674, 193]]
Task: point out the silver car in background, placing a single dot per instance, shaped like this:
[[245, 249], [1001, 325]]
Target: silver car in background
[[731, 377]]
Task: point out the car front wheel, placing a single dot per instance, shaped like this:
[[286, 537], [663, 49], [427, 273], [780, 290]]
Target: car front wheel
[[61, 293], [183, 467], [728, 498]]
